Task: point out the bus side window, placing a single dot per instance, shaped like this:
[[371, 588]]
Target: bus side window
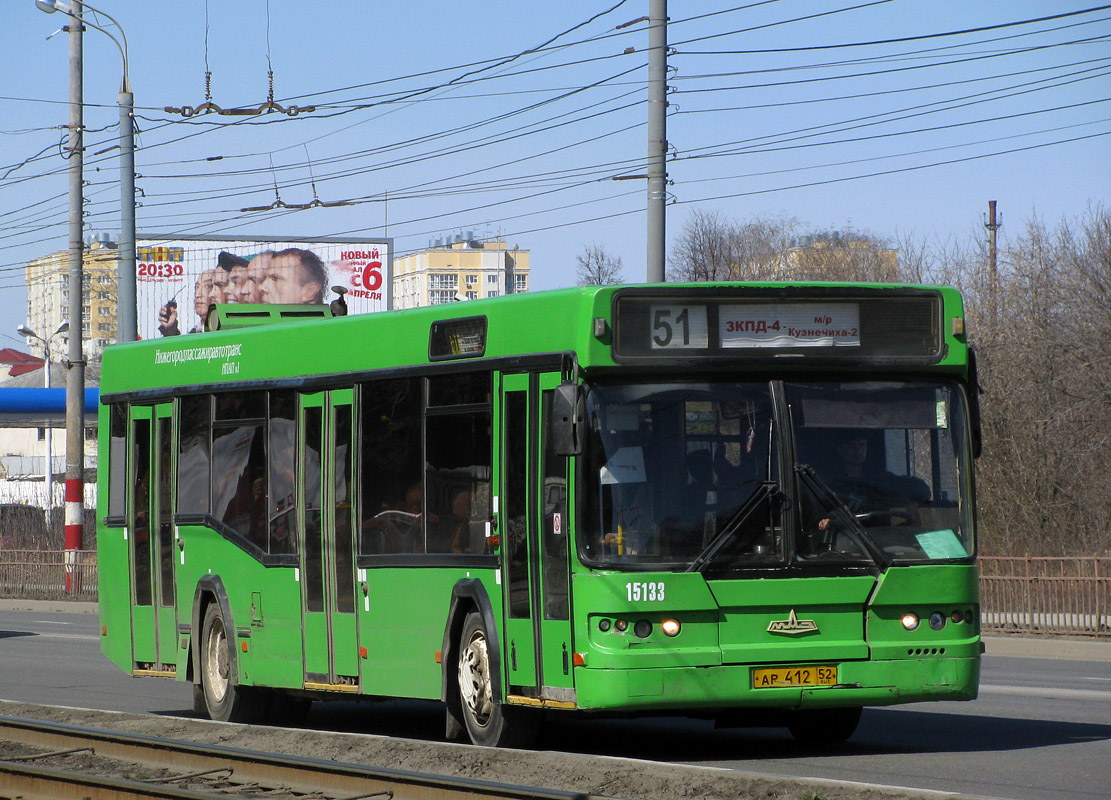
[[193, 460], [392, 491], [458, 454], [279, 504]]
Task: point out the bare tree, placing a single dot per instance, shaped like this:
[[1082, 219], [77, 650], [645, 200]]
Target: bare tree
[[710, 248], [596, 267], [1044, 337]]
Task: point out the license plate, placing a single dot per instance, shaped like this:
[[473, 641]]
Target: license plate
[[775, 677]]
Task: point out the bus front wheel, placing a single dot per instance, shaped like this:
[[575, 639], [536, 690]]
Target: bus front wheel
[[488, 722], [824, 725], [224, 699]]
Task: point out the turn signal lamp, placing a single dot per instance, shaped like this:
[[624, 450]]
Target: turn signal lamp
[[621, 625], [910, 622], [670, 627], [604, 625], [956, 617]]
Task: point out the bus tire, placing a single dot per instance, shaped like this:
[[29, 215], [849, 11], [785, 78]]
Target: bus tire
[[224, 699], [489, 723], [824, 725]]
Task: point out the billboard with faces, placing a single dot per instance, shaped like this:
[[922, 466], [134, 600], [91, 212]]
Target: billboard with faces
[[178, 278]]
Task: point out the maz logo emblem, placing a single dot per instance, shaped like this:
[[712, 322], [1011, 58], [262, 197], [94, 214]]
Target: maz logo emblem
[[792, 626]]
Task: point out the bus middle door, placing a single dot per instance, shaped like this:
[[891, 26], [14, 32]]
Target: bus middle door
[[326, 457], [153, 615], [534, 530]]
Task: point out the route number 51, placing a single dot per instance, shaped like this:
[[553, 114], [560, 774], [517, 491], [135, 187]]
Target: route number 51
[[675, 327]]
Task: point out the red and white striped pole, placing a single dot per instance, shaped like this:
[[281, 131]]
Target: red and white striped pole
[[75, 371], [75, 527]]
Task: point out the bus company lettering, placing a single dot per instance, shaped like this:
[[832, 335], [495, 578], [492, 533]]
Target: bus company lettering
[[175, 357]]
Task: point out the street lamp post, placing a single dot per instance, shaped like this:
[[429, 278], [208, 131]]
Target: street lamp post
[[48, 473], [126, 322]]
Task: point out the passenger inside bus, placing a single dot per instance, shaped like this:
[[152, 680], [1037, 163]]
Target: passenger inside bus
[[397, 528]]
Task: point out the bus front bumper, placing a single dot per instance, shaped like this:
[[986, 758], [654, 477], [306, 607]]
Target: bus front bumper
[[860, 683]]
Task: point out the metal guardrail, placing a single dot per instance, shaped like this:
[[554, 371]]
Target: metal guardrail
[[1029, 594], [1017, 594], [48, 574]]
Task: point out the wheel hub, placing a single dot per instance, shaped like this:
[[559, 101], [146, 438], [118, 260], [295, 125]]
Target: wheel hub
[[474, 679]]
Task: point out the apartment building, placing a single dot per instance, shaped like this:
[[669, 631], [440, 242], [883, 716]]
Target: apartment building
[[459, 267]]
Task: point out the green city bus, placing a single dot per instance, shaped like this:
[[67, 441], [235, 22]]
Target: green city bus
[[751, 503]]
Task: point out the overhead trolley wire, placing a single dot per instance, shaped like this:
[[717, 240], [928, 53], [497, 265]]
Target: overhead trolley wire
[[867, 43]]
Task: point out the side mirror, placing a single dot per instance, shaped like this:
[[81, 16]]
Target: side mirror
[[974, 391], [568, 412]]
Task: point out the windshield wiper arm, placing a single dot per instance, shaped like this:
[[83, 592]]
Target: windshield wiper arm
[[844, 514], [763, 492]]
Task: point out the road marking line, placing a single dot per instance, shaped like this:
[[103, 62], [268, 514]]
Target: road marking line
[[1037, 691]]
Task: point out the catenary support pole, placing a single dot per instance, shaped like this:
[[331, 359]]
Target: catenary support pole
[[75, 369], [657, 139]]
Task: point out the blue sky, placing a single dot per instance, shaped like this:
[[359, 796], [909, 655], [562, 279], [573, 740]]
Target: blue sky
[[514, 118]]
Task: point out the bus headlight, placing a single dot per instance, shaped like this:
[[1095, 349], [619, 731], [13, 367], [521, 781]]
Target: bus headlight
[[910, 621], [670, 627], [937, 620]]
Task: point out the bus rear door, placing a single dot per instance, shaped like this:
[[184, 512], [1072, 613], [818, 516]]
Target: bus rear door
[[533, 522], [326, 457], [153, 616]]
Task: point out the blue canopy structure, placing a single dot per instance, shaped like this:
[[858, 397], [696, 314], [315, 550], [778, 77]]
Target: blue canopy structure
[[26, 407]]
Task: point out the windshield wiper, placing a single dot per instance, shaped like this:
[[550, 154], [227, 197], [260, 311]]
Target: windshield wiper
[[843, 514], [764, 491]]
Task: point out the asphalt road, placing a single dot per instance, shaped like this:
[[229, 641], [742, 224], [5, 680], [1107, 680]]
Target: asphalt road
[[1041, 729]]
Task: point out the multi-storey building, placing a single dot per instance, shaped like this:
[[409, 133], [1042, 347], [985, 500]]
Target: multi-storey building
[[459, 268], [48, 300]]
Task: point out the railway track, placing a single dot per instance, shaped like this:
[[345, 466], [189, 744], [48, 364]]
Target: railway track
[[57, 761]]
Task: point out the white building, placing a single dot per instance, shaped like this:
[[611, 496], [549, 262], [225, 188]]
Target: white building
[[459, 267]]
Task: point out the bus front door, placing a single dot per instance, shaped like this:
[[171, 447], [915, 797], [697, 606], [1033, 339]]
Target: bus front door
[[533, 522], [151, 528], [326, 457]]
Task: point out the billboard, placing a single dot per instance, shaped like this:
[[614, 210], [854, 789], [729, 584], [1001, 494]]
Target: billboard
[[178, 277]]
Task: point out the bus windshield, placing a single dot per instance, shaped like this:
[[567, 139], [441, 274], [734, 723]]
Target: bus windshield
[[726, 475]]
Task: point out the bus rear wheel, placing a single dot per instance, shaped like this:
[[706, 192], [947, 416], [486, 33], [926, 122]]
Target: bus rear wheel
[[224, 699], [488, 722], [824, 725]]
